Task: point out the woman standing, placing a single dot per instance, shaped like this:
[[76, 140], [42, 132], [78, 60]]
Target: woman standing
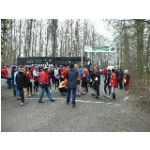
[[96, 82], [114, 83]]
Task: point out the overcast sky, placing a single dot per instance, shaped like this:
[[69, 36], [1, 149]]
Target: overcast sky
[[102, 28]]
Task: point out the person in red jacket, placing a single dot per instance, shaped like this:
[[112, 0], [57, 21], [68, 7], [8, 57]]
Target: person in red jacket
[[126, 81], [28, 78], [4, 72], [64, 73], [114, 83], [44, 85]]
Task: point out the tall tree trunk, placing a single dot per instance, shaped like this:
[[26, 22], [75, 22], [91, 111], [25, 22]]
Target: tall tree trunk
[[14, 51], [139, 26], [41, 41], [30, 37], [54, 37], [148, 58], [48, 37], [20, 26], [71, 45]]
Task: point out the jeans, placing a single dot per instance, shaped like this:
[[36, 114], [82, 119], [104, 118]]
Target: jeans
[[97, 90], [36, 86], [73, 91], [43, 90], [21, 93], [29, 87], [113, 92], [17, 91], [9, 83], [105, 88]]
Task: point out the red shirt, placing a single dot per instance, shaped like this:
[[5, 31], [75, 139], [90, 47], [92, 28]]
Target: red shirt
[[64, 72], [28, 75], [44, 78], [126, 80], [4, 73], [114, 81]]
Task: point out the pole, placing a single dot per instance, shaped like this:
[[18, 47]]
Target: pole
[[82, 57]]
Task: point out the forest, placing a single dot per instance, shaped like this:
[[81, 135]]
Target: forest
[[51, 37]]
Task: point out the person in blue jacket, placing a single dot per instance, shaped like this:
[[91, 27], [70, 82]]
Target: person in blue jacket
[[72, 85]]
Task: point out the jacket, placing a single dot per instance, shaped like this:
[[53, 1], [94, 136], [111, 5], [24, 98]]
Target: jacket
[[15, 74], [36, 75], [107, 79], [96, 79], [43, 78], [21, 80], [126, 79], [72, 78], [114, 80]]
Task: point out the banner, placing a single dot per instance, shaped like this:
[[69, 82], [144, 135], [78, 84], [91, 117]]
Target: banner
[[106, 49]]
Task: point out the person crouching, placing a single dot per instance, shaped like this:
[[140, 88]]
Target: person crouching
[[63, 87]]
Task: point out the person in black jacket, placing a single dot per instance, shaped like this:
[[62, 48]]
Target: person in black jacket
[[107, 83], [12, 76], [21, 82], [96, 82], [120, 78]]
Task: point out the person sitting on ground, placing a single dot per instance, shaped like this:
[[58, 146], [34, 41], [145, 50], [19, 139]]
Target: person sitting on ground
[[63, 87]]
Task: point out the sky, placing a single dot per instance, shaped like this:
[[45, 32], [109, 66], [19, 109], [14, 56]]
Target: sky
[[102, 28]]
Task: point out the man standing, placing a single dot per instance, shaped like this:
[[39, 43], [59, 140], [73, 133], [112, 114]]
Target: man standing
[[29, 83], [120, 78], [57, 76], [44, 85], [15, 84], [21, 82], [107, 83], [36, 80], [72, 86], [96, 81]]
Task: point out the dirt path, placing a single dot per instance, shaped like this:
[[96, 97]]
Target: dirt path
[[90, 115]]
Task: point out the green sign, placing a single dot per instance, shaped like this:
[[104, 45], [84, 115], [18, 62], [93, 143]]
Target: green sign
[[99, 49]]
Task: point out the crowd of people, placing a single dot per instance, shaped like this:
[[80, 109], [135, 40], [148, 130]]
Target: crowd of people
[[70, 81]]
